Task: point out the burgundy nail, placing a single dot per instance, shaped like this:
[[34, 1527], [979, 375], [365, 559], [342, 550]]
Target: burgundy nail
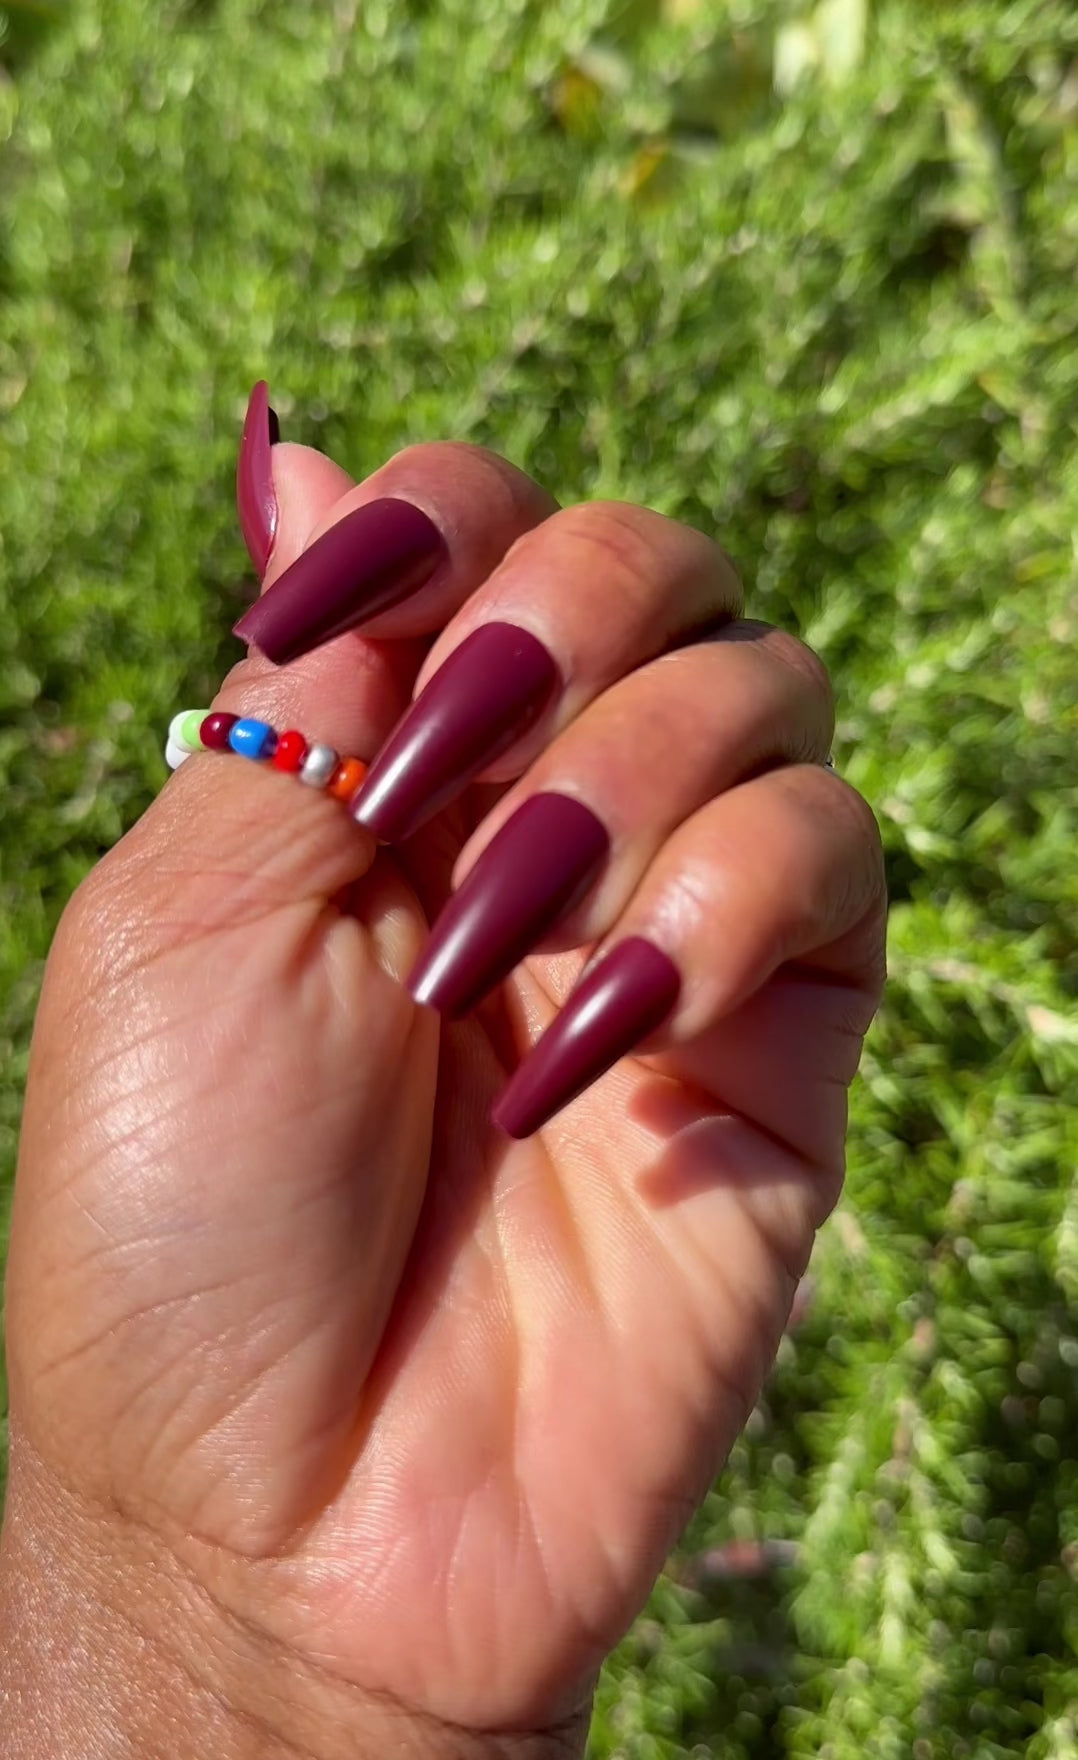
[[370, 560], [490, 691], [537, 867], [623, 998], [256, 498]]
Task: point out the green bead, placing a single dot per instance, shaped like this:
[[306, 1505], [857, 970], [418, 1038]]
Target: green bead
[[189, 729]]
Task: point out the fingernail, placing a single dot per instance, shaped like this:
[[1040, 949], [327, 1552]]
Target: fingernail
[[256, 498], [370, 560], [490, 691], [537, 867], [616, 1004]]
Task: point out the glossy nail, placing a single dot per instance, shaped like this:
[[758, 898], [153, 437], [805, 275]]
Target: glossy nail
[[256, 498], [371, 559], [623, 998], [536, 868], [489, 692]]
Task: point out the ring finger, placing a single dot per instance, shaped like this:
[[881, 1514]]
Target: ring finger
[[783, 871]]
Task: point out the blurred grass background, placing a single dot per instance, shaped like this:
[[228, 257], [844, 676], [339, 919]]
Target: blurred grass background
[[803, 275]]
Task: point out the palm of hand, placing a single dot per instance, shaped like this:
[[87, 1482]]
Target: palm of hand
[[426, 1404]]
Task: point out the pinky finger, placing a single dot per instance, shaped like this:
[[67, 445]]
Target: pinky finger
[[785, 869]]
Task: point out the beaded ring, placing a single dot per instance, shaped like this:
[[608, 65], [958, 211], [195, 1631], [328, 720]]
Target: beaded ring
[[319, 766]]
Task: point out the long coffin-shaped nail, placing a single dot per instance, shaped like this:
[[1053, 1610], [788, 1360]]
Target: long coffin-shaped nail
[[623, 998], [490, 691], [536, 868], [371, 559], [256, 498]]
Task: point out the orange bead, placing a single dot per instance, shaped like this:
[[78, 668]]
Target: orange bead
[[346, 778]]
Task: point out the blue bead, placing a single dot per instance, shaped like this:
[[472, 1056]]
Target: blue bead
[[253, 739]]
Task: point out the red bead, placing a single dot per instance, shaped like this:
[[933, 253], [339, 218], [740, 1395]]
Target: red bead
[[291, 751], [215, 730]]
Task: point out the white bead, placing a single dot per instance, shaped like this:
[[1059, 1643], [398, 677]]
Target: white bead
[[318, 766], [175, 754]]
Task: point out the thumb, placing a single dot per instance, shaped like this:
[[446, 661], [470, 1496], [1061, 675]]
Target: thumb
[[229, 842], [227, 1123], [285, 495]]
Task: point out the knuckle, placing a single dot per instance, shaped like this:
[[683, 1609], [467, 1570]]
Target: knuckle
[[635, 555], [95, 923], [823, 791], [433, 455], [862, 819], [614, 526], [605, 541], [250, 670], [829, 808], [792, 682], [853, 818], [807, 666], [468, 475]]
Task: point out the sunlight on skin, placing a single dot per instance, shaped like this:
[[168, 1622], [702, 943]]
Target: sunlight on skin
[[423, 1405]]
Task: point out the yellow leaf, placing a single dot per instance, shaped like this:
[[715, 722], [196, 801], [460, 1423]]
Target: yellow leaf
[[576, 99]]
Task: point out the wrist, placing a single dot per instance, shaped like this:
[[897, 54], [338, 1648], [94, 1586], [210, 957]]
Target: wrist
[[107, 1646]]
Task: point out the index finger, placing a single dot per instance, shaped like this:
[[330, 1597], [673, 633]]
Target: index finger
[[396, 554], [289, 497]]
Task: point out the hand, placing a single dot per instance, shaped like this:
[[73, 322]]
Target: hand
[[357, 1414]]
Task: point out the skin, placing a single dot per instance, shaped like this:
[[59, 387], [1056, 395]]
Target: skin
[[340, 1423]]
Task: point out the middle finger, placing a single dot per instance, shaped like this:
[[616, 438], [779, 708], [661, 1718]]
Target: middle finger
[[581, 600], [568, 845]]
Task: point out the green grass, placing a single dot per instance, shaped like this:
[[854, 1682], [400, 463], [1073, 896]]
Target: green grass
[[835, 324]]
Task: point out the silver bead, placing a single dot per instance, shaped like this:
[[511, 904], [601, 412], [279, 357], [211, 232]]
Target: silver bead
[[318, 766]]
